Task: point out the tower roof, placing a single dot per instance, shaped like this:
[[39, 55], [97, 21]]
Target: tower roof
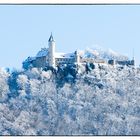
[[51, 38]]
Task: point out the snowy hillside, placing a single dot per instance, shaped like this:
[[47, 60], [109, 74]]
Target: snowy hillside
[[100, 102]]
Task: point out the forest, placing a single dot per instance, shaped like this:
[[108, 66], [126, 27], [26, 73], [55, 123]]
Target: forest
[[102, 101]]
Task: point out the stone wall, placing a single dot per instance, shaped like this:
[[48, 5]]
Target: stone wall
[[40, 62]]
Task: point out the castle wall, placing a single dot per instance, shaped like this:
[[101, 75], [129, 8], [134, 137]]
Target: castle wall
[[40, 62], [61, 61]]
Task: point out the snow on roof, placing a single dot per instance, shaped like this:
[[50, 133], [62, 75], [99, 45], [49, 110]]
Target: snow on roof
[[42, 52], [64, 55], [29, 59]]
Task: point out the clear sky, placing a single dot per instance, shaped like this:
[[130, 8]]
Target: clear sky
[[25, 29]]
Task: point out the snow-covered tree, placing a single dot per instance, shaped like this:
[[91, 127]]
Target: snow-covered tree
[[104, 101]]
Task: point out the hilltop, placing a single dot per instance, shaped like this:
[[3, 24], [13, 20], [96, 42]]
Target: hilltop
[[101, 101]]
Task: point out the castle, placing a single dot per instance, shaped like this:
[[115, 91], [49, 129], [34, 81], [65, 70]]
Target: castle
[[49, 57]]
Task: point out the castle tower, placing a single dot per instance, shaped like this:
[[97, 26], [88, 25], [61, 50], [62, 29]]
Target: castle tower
[[51, 44], [77, 57]]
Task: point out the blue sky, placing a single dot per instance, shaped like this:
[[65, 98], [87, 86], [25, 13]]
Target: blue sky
[[24, 29]]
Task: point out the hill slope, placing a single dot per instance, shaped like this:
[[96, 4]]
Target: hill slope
[[100, 102]]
